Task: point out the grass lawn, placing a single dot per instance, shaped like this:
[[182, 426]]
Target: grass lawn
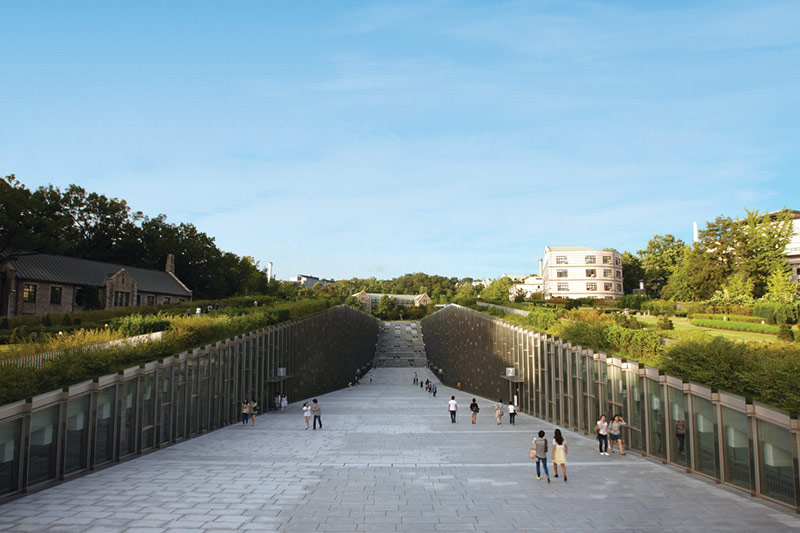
[[682, 325]]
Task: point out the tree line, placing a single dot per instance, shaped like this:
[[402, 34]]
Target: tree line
[[89, 225], [737, 261]]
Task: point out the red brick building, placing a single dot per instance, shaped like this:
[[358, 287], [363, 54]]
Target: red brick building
[[38, 284]]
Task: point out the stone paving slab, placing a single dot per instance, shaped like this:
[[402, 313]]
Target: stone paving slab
[[387, 459]]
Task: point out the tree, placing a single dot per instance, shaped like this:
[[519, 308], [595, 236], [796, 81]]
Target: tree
[[497, 290], [781, 288], [760, 241], [386, 308], [660, 259], [700, 274], [632, 272]]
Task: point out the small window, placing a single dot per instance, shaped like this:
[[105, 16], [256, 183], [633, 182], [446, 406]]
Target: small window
[[563, 286], [617, 261], [606, 259], [561, 259], [608, 286], [166, 300], [151, 300], [561, 273], [619, 287], [591, 286], [591, 259], [606, 272], [55, 295], [138, 299], [619, 274], [591, 273], [79, 297], [29, 293]]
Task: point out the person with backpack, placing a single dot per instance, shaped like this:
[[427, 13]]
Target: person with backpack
[[475, 410], [539, 452], [498, 411]]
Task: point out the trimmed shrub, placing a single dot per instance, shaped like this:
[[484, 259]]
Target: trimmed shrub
[[4, 323], [633, 301], [66, 320], [785, 333], [665, 323], [46, 321], [732, 318], [735, 326], [139, 324], [542, 318], [781, 313], [660, 307]]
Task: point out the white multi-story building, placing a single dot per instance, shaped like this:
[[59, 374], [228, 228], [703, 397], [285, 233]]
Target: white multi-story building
[[581, 272]]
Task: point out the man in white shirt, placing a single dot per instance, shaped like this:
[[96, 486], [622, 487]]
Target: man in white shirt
[[452, 406]]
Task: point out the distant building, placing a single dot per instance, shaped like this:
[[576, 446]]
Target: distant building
[[516, 278], [530, 285], [580, 272], [369, 300], [309, 281], [793, 248], [38, 284]]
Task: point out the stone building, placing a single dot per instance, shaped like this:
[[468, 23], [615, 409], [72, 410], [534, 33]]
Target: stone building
[[38, 284], [369, 300]]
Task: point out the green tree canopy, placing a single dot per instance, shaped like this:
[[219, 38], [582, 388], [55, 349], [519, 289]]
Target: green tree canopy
[[660, 259]]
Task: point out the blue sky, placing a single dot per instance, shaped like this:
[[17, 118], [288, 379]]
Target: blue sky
[[375, 139]]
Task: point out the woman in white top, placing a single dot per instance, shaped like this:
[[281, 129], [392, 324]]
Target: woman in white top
[[512, 413], [284, 403], [306, 412], [559, 453]]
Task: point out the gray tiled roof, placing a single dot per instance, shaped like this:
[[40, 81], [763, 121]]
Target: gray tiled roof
[[73, 271]]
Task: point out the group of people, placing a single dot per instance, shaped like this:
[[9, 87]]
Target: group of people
[[612, 431], [315, 410], [280, 402], [249, 410], [199, 310], [539, 452], [427, 385], [452, 408]]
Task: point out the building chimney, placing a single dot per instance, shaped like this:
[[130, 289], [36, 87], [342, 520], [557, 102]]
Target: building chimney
[[695, 233], [269, 271], [170, 264], [641, 284], [540, 267]]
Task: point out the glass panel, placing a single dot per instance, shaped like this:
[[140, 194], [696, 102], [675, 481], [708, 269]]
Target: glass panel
[[705, 421], [148, 411], [655, 404], [127, 439], [43, 449], [77, 434], [191, 373], [9, 455], [104, 440], [637, 411], [180, 400], [678, 426], [736, 452], [775, 461], [165, 379]]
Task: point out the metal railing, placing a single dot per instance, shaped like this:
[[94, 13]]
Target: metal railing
[[722, 436], [61, 434]]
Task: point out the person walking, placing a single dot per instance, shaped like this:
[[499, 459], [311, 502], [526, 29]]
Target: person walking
[[559, 454], [277, 401], [498, 411], [680, 434], [435, 390], [245, 412], [615, 433], [253, 410], [284, 403], [473, 407], [540, 449], [452, 406], [306, 413], [602, 434], [512, 413], [316, 410]]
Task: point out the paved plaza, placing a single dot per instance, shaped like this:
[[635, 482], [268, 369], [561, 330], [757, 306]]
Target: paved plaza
[[387, 459]]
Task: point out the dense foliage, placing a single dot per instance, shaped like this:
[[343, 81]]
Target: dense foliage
[[184, 332], [89, 225]]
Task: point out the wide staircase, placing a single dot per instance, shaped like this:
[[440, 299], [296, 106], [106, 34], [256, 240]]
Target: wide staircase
[[400, 344]]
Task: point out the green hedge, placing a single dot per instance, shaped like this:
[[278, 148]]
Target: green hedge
[[660, 307], [731, 318], [186, 333], [735, 326], [781, 313]]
